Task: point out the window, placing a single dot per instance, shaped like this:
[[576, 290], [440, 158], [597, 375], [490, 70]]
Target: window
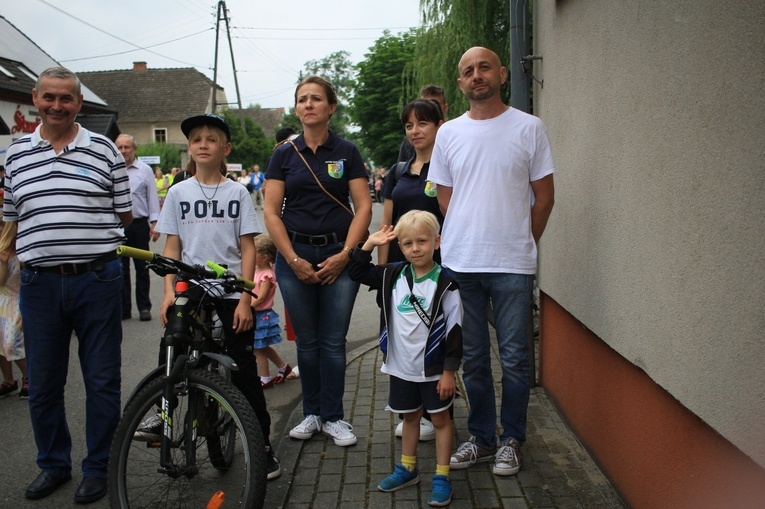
[[26, 71], [160, 135], [7, 72]]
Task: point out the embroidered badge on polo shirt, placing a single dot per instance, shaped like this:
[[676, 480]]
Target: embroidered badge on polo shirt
[[335, 169], [430, 189]]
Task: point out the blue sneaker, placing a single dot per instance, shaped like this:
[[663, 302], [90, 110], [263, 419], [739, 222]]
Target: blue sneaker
[[400, 478], [441, 493]]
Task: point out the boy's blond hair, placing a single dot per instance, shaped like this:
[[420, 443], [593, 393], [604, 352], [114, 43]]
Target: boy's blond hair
[[412, 219], [265, 245]]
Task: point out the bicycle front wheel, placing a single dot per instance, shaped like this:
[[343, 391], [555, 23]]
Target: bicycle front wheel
[[222, 450]]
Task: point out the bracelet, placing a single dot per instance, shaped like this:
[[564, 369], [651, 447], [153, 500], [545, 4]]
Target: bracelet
[[348, 250], [293, 261]]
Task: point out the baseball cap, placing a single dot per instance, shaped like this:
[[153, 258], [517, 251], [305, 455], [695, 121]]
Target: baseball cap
[[206, 119]]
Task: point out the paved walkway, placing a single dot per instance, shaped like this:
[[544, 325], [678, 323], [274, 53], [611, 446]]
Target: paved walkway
[[556, 472]]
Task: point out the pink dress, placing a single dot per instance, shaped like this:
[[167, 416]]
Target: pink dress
[[267, 329]]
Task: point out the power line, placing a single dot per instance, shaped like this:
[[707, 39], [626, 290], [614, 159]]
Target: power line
[[138, 49], [115, 37], [321, 29]]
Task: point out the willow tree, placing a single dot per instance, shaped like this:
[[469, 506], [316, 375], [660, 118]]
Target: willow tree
[[449, 28]]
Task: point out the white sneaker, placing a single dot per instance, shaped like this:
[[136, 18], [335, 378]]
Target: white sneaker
[[306, 429], [427, 431], [340, 431]]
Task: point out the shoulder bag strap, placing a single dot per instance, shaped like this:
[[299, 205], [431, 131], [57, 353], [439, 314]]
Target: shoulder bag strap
[[317, 179], [415, 303]]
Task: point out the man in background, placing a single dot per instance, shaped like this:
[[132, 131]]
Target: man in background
[[143, 194], [256, 184]]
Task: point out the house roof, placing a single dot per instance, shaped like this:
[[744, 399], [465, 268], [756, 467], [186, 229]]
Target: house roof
[[269, 119], [17, 47], [101, 124], [15, 77], [152, 95]]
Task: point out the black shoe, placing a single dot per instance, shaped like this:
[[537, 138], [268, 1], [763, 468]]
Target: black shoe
[[8, 388], [90, 490], [145, 315], [44, 485], [126, 316], [24, 391], [272, 465]]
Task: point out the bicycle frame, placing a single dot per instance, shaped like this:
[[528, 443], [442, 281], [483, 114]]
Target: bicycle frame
[[187, 332]]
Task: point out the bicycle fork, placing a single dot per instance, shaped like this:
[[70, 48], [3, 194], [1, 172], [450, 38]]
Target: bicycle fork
[[174, 367]]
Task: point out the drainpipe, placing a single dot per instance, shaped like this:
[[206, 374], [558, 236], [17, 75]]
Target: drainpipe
[[520, 36]]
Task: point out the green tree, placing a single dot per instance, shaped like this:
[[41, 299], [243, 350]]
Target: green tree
[[169, 154], [338, 69], [380, 95], [450, 28], [254, 148]]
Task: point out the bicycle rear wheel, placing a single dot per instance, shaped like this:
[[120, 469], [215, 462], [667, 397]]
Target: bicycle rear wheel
[[230, 450]]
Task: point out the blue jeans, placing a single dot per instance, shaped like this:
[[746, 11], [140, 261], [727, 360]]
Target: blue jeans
[[320, 315], [52, 307], [510, 295]]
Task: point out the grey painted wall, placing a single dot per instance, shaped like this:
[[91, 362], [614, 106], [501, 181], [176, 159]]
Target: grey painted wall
[[656, 116]]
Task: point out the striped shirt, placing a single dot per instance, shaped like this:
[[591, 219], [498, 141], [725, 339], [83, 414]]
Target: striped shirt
[[66, 204]]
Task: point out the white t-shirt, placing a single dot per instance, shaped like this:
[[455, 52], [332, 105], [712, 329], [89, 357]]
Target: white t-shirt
[[209, 232], [407, 334], [489, 164]]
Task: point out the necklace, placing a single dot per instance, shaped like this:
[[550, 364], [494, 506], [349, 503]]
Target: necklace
[[209, 198]]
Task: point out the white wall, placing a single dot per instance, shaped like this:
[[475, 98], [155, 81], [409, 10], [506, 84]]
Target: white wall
[[656, 115]]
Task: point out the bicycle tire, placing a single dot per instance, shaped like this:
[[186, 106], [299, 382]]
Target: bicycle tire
[[220, 431], [136, 480]]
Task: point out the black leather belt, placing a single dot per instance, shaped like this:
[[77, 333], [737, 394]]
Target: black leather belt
[[318, 240], [68, 269]]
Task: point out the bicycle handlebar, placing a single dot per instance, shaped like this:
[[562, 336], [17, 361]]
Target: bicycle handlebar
[[217, 271], [133, 252], [222, 272]]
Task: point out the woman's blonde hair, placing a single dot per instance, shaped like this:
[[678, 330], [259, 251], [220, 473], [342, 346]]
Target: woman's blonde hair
[[413, 218], [220, 138], [8, 235], [264, 244]]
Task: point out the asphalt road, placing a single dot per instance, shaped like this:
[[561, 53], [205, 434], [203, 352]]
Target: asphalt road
[[139, 354]]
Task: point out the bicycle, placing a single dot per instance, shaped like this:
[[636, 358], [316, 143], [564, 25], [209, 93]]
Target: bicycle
[[210, 440]]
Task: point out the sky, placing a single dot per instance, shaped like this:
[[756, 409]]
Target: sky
[[272, 40]]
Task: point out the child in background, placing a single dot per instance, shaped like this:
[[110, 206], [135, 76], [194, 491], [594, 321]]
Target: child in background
[[421, 340], [11, 334], [267, 331]]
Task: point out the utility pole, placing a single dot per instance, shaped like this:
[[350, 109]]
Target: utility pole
[[222, 15]]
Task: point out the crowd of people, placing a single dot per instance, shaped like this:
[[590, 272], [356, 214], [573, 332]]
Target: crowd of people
[[463, 211]]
